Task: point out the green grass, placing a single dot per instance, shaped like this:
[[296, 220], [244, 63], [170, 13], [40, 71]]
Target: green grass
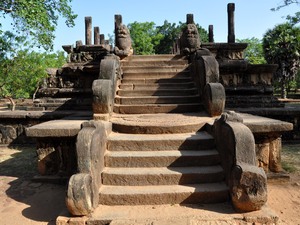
[[290, 157]]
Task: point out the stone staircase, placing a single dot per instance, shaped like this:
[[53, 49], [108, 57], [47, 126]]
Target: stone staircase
[[156, 169], [159, 152], [156, 84]]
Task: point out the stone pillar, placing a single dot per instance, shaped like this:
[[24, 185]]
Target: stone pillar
[[211, 33], [230, 11], [189, 18], [275, 155], [263, 155], [102, 39], [96, 36], [88, 30], [118, 22]]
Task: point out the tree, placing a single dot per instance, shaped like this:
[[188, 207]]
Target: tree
[[254, 53], [35, 19], [170, 32], [282, 46], [293, 19], [150, 39], [21, 75], [144, 37]]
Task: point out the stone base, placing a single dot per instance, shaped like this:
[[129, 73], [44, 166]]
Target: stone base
[[171, 214]]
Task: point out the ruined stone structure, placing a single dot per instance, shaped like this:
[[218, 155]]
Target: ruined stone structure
[[158, 132]]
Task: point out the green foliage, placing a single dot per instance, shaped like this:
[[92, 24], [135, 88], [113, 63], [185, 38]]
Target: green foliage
[[144, 37], [170, 32], [282, 46], [150, 39], [19, 76], [36, 19], [254, 53], [293, 19]]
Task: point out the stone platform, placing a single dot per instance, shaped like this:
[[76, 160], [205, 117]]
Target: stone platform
[[216, 214], [267, 132]]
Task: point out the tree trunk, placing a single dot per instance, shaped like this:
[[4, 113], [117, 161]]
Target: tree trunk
[[283, 89], [13, 104]]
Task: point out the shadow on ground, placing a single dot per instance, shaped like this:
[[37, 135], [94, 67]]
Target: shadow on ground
[[37, 202]]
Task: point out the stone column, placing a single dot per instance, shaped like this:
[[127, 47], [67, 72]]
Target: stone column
[[102, 39], [275, 155], [230, 11], [189, 18], [96, 36], [118, 22], [88, 30], [211, 33]]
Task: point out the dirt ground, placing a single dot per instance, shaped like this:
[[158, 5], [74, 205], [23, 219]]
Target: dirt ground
[[24, 202]]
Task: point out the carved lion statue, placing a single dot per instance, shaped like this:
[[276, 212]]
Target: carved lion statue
[[190, 39], [123, 46]]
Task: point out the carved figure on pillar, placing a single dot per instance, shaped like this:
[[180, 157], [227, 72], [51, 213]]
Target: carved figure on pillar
[[123, 46], [190, 39]]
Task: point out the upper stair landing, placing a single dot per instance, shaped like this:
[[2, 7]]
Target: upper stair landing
[[156, 84]]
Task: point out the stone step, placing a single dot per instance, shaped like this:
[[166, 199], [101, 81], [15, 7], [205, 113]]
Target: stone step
[[162, 175], [160, 142], [64, 92], [156, 75], [158, 108], [147, 80], [142, 86], [154, 62], [160, 123], [173, 158], [154, 69], [156, 99], [161, 57], [63, 100], [158, 92], [178, 214], [163, 194]]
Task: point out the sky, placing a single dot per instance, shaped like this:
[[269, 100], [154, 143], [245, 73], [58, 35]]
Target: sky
[[252, 18]]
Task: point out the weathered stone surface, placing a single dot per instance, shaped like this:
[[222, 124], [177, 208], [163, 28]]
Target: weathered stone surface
[[83, 187], [55, 128], [103, 99], [214, 99], [226, 50], [236, 145], [163, 194], [275, 155], [7, 134], [190, 39], [262, 155], [79, 196], [123, 46], [104, 87], [248, 187], [258, 124]]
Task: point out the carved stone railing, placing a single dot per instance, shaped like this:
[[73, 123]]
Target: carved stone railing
[[235, 143], [205, 70], [104, 88], [83, 189]]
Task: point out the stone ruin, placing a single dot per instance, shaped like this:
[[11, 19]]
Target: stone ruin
[[155, 105]]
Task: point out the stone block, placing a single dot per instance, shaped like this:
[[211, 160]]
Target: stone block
[[262, 155], [62, 220], [78, 220], [275, 155]]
